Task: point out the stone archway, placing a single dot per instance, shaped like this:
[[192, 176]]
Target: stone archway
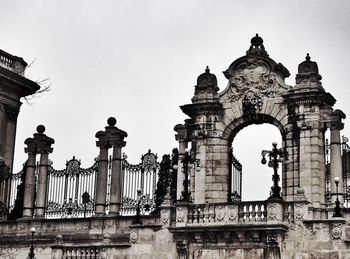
[[247, 171], [257, 93]]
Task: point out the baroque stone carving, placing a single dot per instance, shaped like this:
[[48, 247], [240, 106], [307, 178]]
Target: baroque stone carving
[[232, 213], [299, 211], [303, 125], [220, 213], [336, 230], [134, 235], [180, 215], [272, 211], [252, 102], [255, 76], [164, 216]]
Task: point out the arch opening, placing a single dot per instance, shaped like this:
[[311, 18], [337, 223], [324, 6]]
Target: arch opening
[[247, 144]]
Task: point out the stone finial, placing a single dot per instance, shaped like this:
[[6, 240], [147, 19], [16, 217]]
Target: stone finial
[[40, 143], [207, 79], [257, 41], [308, 76], [40, 129], [111, 135], [308, 66], [307, 58], [257, 47], [111, 121], [206, 88]]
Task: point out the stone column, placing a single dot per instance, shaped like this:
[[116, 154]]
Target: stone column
[[116, 181], [112, 136], [44, 148], [336, 159], [183, 144], [41, 189], [29, 187], [101, 185], [40, 143]]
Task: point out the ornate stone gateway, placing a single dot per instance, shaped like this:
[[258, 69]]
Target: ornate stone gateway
[[256, 93], [195, 193]]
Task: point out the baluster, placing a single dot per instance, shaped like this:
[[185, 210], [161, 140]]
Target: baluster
[[247, 212], [206, 214], [201, 214], [241, 212], [190, 214], [196, 215], [258, 214], [253, 212]]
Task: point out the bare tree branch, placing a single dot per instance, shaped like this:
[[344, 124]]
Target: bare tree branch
[[45, 86]]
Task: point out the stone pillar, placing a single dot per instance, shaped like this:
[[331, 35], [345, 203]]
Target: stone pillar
[[336, 159], [101, 185], [116, 180], [29, 187], [183, 144], [40, 143], [44, 148], [41, 189], [112, 136]]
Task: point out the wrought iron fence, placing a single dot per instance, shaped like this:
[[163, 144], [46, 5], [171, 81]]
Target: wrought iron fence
[[66, 189], [143, 177], [71, 191]]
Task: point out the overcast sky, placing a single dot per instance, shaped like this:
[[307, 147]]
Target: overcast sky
[[139, 60]]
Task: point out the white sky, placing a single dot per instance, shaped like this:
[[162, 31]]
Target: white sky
[[139, 60]]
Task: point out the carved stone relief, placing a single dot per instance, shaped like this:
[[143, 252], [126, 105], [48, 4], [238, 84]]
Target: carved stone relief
[[180, 215], [232, 213], [134, 235], [272, 211], [299, 211], [336, 230], [164, 216], [220, 213], [256, 78]]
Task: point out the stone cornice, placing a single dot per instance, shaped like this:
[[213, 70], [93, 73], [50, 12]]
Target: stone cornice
[[309, 97], [19, 84], [192, 110]]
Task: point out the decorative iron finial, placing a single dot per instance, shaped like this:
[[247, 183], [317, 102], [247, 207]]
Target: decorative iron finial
[[207, 70], [111, 121], [307, 58], [40, 129], [257, 41]]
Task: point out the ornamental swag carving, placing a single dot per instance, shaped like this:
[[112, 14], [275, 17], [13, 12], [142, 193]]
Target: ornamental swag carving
[[254, 80]]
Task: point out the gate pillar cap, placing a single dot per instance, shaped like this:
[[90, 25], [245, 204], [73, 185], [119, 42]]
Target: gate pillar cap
[[111, 135]]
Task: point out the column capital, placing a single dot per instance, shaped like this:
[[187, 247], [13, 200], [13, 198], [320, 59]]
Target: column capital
[[40, 143], [336, 125], [182, 134], [334, 120], [12, 112], [111, 136]]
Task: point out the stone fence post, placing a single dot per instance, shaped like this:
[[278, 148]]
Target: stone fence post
[[301, 205], [182, 137], [274, 210], [111, 137], [39, 144]]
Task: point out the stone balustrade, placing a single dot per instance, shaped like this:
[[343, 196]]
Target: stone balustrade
[[12, 63], [248, 212]]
